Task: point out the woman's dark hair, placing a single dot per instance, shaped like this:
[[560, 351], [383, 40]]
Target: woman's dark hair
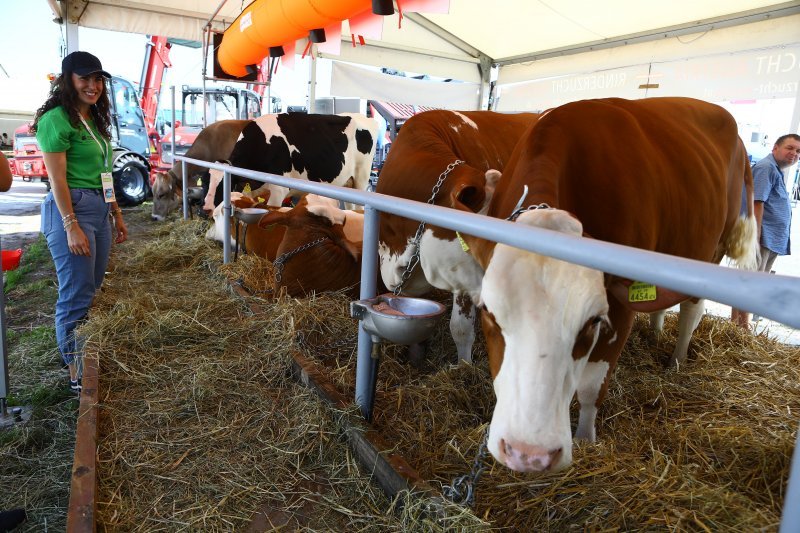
[[63, 93]]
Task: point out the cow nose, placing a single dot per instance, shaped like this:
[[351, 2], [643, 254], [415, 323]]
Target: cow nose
[[526, 458], [157, 218]]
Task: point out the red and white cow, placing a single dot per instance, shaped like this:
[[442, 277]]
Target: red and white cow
[[321, 243], [214, 142], [333, 237], [426, 145], [662, 174], [336, 149]]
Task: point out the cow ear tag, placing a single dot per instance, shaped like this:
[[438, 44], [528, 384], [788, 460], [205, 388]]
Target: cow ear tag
[[246, 189], [464, 245], [641, 292]]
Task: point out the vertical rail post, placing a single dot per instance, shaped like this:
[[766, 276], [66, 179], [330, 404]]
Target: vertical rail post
[[226, 217], [790, 521], [366, 366], [185, 180], [3, 355]]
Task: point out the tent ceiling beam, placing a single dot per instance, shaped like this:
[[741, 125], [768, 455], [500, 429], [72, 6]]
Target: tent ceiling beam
[[408, 49], [444, 35], [733, 19], [200, 16]]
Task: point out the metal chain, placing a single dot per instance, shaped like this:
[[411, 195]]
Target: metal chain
[[517, 212], [421, 228], [462, 490], [281, 261], [278, 265]]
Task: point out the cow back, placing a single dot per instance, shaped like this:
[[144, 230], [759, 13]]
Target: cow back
[[661, 174], [214, 142], [428, 142]]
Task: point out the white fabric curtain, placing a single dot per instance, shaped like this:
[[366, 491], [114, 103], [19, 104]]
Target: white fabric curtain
[[351, 81]]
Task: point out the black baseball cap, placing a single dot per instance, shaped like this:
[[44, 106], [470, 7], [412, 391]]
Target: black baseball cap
[[82, 64]]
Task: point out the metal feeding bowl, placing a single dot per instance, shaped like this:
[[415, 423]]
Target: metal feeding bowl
[[398, 319], [250, 215]]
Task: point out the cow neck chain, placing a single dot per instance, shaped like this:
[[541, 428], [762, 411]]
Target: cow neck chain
[[421, 228], [280, 262], [462, 490], [517, 212]]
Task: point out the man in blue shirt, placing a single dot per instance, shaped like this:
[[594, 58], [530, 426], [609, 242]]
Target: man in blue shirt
[[772, 208]]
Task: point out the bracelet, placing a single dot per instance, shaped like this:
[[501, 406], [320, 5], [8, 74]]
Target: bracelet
[[116, 211], [69, 217], [70, 222]]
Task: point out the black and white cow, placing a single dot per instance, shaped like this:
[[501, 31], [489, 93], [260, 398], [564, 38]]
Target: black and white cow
[[336, 149]]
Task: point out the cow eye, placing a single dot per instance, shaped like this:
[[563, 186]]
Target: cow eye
[[600, 321]]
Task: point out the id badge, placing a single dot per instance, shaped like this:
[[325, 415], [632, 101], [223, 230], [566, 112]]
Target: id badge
[[108, 187]]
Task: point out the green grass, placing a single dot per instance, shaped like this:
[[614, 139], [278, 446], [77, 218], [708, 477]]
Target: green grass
[[33, 258], [36, 457]]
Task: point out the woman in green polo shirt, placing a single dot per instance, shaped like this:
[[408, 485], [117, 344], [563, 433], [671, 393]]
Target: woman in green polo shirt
[[73, 130]]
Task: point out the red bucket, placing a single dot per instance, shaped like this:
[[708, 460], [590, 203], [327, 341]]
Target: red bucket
[[11, 259]]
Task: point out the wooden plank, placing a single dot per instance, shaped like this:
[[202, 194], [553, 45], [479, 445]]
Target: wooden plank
[[83, 486], [392, 472]]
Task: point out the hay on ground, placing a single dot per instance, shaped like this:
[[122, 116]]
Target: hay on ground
[[202, 428]]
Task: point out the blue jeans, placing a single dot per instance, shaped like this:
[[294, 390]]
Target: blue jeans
[[79, 276]]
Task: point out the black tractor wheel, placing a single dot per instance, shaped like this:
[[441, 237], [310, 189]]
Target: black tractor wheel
[[130, 180]]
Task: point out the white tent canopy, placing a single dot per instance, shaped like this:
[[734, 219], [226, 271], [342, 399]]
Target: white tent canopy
[[503, 31], [541, 53]]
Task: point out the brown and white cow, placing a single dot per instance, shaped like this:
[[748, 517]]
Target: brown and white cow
[[662, 174], [321, 247], [336, 149], [320, 243], [214, 142], [426, 145]]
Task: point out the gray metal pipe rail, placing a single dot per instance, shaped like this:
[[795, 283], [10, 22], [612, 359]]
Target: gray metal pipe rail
[[772, 296]]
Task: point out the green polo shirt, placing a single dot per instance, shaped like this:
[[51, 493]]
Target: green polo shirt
[[85, 159]]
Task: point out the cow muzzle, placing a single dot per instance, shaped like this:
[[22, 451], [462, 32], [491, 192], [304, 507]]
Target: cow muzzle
[[527, 458]]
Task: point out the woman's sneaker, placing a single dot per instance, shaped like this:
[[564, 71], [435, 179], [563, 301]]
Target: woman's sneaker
[[75, 385]]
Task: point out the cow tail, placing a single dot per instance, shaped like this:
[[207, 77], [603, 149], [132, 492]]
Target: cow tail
[[743, 245]]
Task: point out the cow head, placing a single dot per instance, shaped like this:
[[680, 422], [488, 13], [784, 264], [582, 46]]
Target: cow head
[[330, 265], [542, 318], [166, 195], [443, 262]]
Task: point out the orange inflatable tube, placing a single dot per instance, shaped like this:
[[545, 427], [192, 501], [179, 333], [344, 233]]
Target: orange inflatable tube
[[266, 23]]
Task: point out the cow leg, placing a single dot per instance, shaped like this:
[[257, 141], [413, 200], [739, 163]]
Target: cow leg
[[691, 313], [595, 378], [462, 325], [657, 321]]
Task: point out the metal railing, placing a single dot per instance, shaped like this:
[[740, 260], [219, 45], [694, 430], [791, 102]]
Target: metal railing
[[772, 296]]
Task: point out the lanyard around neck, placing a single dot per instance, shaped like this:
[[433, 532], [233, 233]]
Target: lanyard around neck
[[103, 147]]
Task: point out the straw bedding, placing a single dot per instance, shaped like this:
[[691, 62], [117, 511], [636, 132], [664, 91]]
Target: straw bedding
[[202, 428]]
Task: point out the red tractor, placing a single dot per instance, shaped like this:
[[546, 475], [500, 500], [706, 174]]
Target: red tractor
[[28, 161]]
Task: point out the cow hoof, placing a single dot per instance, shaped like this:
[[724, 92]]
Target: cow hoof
[[675, 363]]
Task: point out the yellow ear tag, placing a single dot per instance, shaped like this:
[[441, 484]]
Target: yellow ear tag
[[641, 292], [259, 200], [464, 245], [246, 189]]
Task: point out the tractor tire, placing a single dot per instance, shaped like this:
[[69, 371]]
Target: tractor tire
[[131, 178]]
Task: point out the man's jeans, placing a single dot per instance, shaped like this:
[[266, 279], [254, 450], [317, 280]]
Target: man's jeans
[[79, 276]]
